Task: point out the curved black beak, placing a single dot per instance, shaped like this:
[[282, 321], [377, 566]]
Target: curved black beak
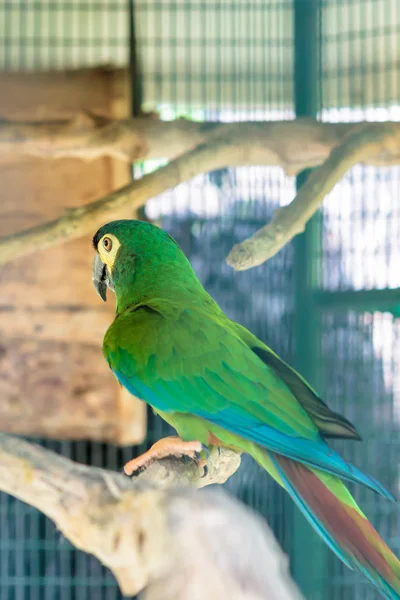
[[100, 277]]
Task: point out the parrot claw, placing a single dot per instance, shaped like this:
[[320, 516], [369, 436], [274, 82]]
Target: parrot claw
[[204, 450], [198, 460], [135, 473], [185, 458], [171, 446], [205, 472]]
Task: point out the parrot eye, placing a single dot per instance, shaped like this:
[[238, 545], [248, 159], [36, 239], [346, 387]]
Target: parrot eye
[[107, 244]]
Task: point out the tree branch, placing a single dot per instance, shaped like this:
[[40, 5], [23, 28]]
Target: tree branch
[[367, 140], [294, 145], [147, 533], [79, 221]]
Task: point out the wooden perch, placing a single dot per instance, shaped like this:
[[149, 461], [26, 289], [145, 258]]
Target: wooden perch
[[171, 541], [288, 144], [367, 140], [293, 145]]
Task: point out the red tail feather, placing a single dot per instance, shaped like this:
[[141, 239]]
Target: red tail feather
[[360, 543]]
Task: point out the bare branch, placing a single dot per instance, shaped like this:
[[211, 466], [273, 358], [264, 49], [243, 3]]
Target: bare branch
[[86, 219], [294, 145], [149, 534], [368, 140]]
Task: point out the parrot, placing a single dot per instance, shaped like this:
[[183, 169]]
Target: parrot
[[217, 384]]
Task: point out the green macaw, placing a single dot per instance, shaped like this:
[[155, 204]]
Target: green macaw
[[217, 384]]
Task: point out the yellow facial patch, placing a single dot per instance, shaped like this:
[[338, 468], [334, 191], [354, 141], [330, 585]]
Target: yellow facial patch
[[108, 247]]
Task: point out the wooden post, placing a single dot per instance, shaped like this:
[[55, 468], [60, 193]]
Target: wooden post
[[54, 381]]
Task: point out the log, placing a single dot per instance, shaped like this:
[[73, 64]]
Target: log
[[154, 532]]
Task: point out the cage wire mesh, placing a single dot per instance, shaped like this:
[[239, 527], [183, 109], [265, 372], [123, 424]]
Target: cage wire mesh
[[230, 61], [359, 251]]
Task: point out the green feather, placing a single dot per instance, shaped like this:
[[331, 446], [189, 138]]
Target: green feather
[[211, 379]]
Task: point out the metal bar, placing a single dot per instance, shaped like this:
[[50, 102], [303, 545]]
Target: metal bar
[[385, 300], [135, 70], [310, 554], [136, 84]]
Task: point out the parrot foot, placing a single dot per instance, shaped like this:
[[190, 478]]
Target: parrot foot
[[169, 446]]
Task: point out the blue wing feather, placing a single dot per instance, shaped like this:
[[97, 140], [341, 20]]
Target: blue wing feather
[[163, 395]]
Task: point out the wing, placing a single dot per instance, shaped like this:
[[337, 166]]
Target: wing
[[184, 360], [329, 423]]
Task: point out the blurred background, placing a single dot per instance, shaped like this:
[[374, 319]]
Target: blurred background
[[329, 303]]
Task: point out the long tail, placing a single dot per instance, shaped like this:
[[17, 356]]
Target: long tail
[[333, 512]]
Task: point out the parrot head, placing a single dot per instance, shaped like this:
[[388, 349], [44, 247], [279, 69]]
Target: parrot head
[[136, 259]]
